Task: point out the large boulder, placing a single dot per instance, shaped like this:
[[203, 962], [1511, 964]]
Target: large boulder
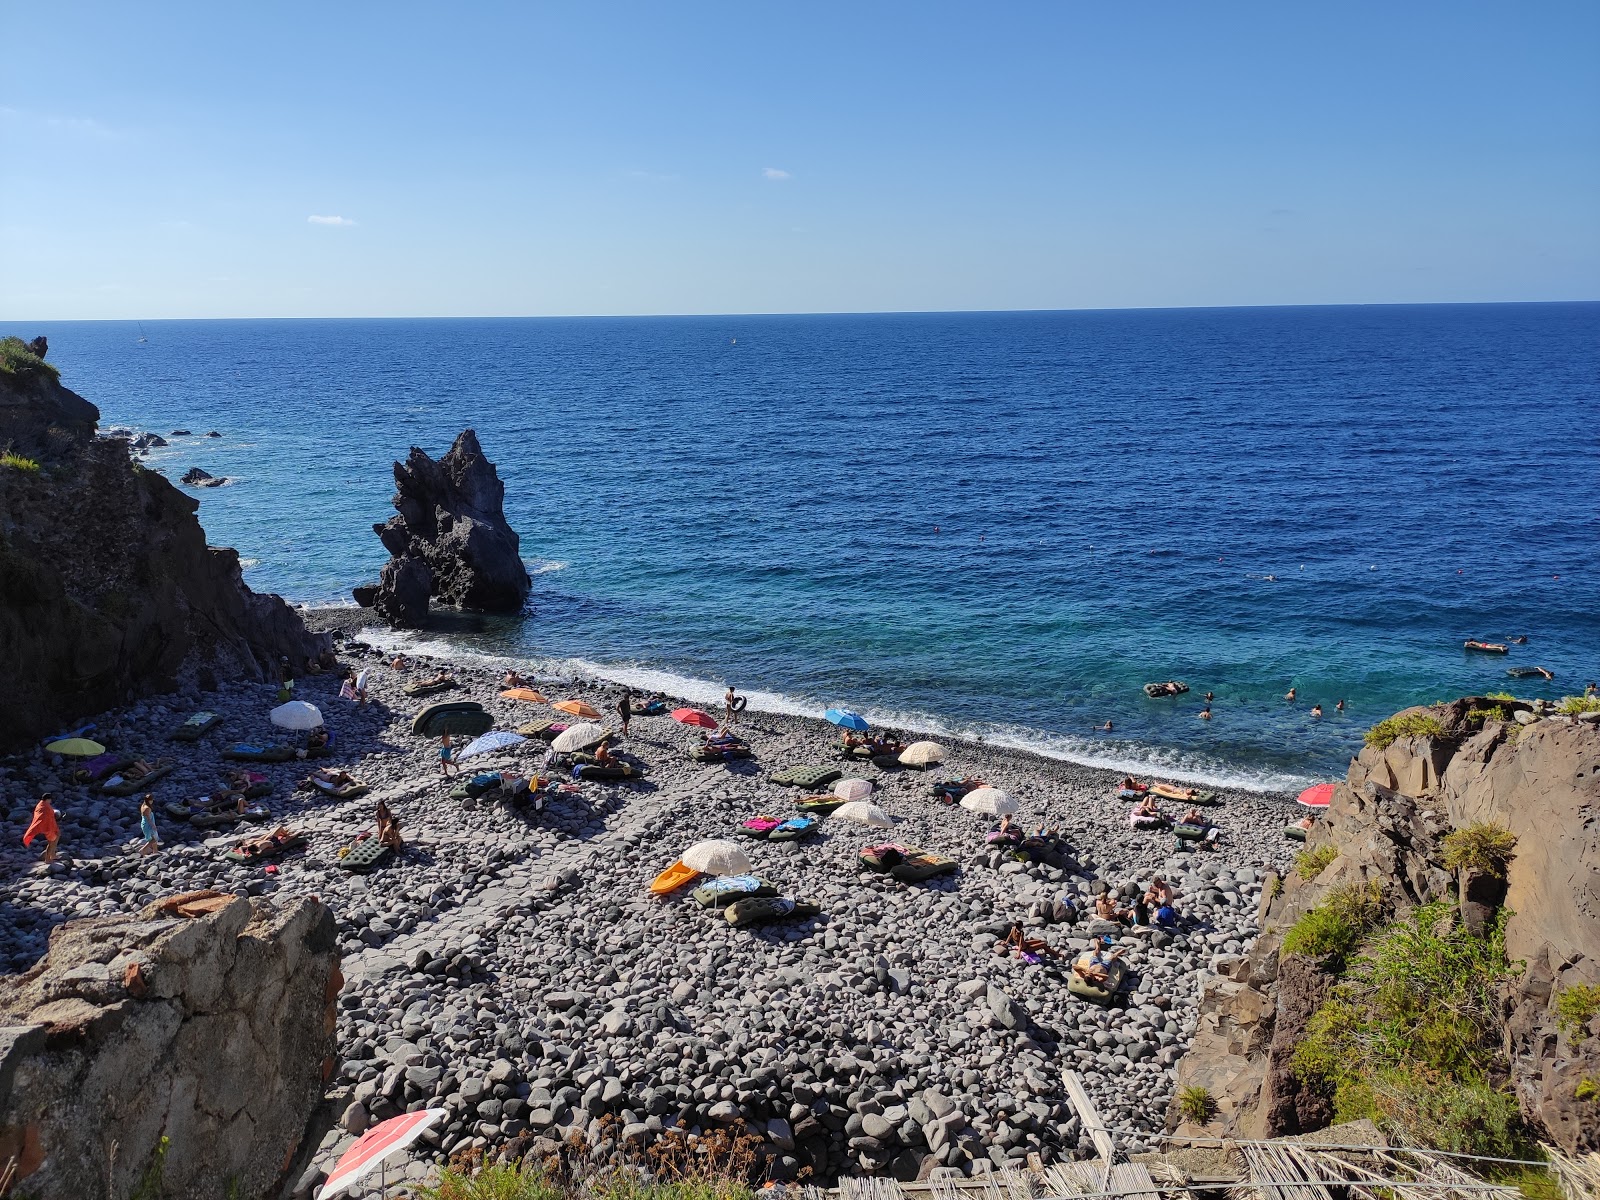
[[1539, 779], [212, 1030], [449, 542], [108, 590]]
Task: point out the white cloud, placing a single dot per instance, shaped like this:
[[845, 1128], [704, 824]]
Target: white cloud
[[774, 173], [343, 221]]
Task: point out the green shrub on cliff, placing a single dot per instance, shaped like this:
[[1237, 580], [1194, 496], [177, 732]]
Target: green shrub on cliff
[[1482, 847], [1571, 706], [1496, 713], [1196, 1104], [1337, 924], [18, 462], [1308, 864], [1413, 724], [18, 361], [1410, 1036], [1576, 1006]]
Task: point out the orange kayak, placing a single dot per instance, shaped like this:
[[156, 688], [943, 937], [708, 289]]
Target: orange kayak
[[673, 878]]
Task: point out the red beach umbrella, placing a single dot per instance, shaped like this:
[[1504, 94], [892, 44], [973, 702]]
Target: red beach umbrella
[[1317, 797], [693, 716], [376, 1144]]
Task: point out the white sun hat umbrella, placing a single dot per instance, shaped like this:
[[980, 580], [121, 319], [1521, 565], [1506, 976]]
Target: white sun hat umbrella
[[716, 857], [298, 715], [576, 737], [853, 789], [990, 800], [863, 813], [922, 754]]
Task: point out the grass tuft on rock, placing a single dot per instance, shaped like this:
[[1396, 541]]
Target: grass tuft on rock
[[1576, 1006], [1496, 712], [1334, 927], [1410, 1036], [1484, 847], [17, 361], [1308, 864], [1196, 1104], [1403, 725], [1572, 706]]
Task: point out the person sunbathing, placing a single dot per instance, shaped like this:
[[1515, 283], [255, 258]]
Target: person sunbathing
[[1096, 968], [399, 663], [1130, 784], [1008, 832], [602, 754], [441, 677], [1105, 908], [1195, 817], [1147, 814], [331, 777], [1160, 892], [1017, 942], [389, 828]]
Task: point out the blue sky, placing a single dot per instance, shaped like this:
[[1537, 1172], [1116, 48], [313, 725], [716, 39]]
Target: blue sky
[[350, 158]]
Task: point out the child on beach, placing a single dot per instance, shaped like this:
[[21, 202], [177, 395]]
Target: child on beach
[[730, 706], [147, 825], [44, 825], [446, 757]]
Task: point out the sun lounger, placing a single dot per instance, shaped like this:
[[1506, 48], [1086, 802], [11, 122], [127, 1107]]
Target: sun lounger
[[794, 829], [808, 777], [125, 785], [1098, 993], [460, 718], [247, 752], [951, 790], [100, 767], [429, 687], [759, 827], [196, 727], [819, 805], [363, 854], [763, 910], [348, 791], [908, 864], [607, 771]]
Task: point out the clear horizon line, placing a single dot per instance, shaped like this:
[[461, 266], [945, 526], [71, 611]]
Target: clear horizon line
[[874, 312]]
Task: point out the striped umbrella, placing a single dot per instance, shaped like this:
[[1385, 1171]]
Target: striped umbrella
[[375, 1145]]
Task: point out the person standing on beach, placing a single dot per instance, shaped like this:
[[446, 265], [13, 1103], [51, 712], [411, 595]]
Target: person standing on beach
[[625, 710], [44, 825], [729, 707], [285, 680], [147, 824], [446, 756]]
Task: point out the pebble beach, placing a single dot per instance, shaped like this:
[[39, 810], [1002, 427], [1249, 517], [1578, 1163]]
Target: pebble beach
[[514, 968]]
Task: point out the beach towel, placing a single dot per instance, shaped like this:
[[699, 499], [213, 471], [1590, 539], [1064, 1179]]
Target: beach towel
[[43, 824], [793, 829], [719, 893]]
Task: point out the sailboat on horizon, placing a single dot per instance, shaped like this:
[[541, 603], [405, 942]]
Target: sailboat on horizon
[[142, 337]]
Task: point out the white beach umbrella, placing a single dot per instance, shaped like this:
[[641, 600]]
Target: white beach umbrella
[[853, 789], [576, 737], [922, 754], [715, 857], [496, 739], [297, 714], [989, 800], [863, 813]]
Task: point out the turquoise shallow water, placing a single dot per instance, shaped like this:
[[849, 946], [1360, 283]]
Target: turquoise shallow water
[[992, 523]]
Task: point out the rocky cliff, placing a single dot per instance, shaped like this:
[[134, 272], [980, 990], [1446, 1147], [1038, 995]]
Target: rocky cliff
[[207, 1021], [449, 540], [1474, 764], [108, 590]]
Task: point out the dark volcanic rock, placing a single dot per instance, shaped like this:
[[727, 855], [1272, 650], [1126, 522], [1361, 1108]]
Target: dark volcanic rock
[[450, 541], [195, 477], [108, 590]]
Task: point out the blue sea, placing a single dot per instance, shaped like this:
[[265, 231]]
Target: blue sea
[[987, 523]]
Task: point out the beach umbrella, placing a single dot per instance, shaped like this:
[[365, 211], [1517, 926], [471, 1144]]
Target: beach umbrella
[[297, 714], [495, 739], [375, 1145], [863, 813], [693, 716], [76, 748], [577, 708], [853, 789], [989, 800], [1317, 797], [845, 719], [922, 754], [575, 737], [715, 857], [522, 693]]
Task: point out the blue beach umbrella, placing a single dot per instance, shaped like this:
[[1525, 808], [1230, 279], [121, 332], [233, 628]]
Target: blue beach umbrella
[[846, 719], [490, 742]]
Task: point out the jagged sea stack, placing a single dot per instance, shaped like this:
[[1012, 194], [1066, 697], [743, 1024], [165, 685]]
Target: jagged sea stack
[[450, 541]]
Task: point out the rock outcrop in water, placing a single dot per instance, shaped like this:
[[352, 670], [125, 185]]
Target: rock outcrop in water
[[450, 541], [108, 591], [1537, 776], [213, 1030]]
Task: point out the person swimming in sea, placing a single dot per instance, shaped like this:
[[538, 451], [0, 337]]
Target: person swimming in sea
[[1290, 695], [1316, 710]]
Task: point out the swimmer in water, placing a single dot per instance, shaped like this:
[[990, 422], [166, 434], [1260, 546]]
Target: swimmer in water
[[1106, 727], [1289, 695], [1339, 705], [1205, 713], [1316, 710], [1209, 699]]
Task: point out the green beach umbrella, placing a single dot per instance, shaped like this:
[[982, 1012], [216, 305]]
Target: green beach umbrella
[[76, 748]]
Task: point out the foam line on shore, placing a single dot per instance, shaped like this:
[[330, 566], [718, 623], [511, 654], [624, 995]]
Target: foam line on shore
[[1128, 757]]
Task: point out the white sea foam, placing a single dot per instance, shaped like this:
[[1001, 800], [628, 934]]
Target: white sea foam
[[247, 563], [540, 567], [1105, 754]]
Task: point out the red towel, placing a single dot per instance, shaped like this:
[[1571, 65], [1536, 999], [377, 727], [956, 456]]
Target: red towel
[[43, 824]]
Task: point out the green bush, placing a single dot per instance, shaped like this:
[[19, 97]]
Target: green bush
[[1411, 1036], [1506, 696], [1482, 847], [1337, 924], [1414, 724], [18, 361], [1576, 1006], [1196, 1104], [1308, 864], [1497, 713], [1571, 706], [18, 463], [529, 1182], [524, 1182], [1587, 1089]]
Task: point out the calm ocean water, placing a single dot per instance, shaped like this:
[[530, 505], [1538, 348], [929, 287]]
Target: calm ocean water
[[996, 523]]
